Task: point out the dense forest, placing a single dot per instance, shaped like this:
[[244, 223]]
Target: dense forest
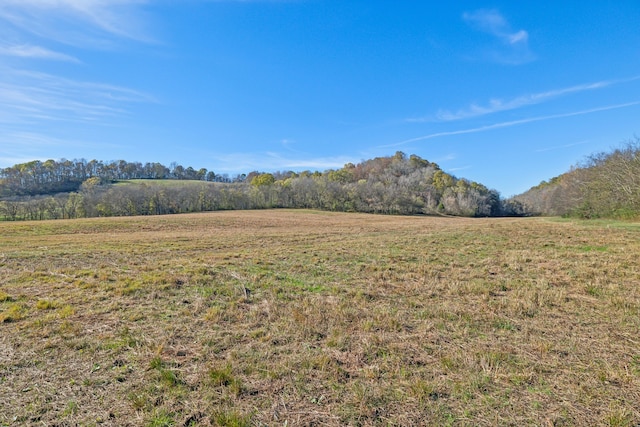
[[605, 185], [398, 184]]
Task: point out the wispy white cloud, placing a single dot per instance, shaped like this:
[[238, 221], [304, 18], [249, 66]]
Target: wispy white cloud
[[29, 96], [35, 140], [289, 145], [459, 168], [492, 22], [35, 52], [36, 107], [273, 161], [23, 146], [446, 158], [512, 123], [497, 105], [514, 43], [321, 163], [520, 37], [77, 22], [560, 147]]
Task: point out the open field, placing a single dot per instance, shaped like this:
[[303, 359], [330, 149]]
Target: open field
[[181, 183], [308, 318]]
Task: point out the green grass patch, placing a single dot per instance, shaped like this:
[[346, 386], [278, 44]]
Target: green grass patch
[[175, 183], [231, 419], [589, 248], [13, 312], [5, 297], [44, 304]]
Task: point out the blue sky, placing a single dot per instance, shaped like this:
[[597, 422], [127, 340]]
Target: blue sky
[[507, 93]]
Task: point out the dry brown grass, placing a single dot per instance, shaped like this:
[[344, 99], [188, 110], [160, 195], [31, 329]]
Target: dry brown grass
[[310, 318]]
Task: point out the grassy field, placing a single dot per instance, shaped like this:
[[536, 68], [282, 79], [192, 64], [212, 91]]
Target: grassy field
[[180, 183], [306, 318]]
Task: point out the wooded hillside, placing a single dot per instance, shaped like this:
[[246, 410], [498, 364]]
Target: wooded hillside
[[398, 184], [605, 185]]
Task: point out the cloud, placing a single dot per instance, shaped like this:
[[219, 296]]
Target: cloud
[[31, 99], [559, 147], [30, 96], [492, 22], [35, 52], [497, 105], [24, 146], [512, 123], [520, 36], [77, 22], [40, 30], [36, 140], [513, 45], [459, 168], [321, 164], [272, 161], [288, 144]]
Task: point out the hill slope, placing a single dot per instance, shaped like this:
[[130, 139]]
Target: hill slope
[[397, 184], [605, 185]]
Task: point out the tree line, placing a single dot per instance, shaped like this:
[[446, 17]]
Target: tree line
[[51, 176], [398, 184], [605, 185]]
